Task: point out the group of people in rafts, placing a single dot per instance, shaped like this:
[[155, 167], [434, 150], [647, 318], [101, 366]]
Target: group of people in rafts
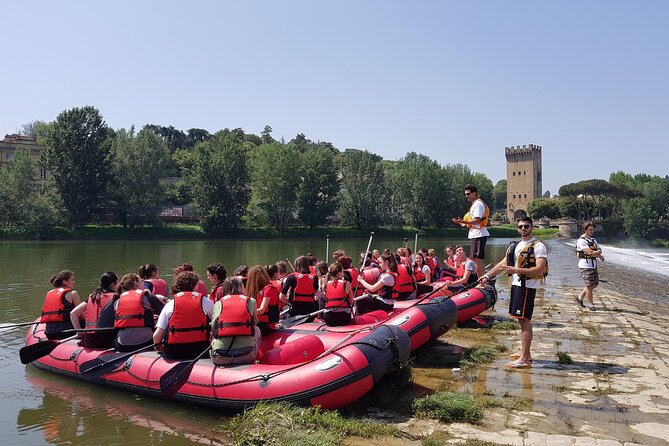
[[136, 312]]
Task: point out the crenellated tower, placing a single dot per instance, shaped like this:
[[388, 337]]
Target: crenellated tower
[[523, 178]]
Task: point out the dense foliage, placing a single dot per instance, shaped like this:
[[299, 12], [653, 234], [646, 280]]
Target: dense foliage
[[232, 178]]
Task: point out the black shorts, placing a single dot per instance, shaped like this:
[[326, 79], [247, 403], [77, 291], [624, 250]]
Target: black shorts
[[477, 248], [521, 303]]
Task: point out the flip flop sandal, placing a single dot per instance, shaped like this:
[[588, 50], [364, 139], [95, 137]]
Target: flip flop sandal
[[517, 365]]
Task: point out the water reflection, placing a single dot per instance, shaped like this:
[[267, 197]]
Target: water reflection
[[72, 414]]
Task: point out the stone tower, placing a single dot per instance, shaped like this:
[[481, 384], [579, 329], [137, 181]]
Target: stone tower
[[523, 178]]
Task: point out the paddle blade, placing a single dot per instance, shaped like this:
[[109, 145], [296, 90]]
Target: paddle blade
[[295, 320], [33, 352], [97, 367], [177, 376]]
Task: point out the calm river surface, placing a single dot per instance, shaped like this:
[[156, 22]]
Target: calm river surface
[[40, 408]]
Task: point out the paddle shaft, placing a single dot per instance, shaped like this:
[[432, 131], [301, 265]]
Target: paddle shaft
[[327, 247], [287, 323], [110, 363], [362, 263], [33, 352], [177, 376], [13, 326]]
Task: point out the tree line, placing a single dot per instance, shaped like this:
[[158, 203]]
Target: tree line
[[233, 178]]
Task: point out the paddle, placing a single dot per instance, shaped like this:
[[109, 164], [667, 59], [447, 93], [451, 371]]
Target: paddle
[[327, 248], [299, 319], [33, 352], [97, 367], [290, 264], [177, 376], [362, 263], [13, 326], [89, 330]]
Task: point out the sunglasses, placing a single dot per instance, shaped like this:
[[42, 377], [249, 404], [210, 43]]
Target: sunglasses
[[523, 226], [468, 193]]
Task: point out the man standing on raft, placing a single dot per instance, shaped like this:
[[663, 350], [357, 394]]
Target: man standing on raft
[[476, 220]]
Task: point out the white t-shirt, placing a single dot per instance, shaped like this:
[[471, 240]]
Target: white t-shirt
[[539, 252], [582, 243], [168, 309], [477, 210]]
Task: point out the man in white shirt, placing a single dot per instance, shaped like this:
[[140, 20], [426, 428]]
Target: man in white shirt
[[476, 220], [528, 265], [588, 252]]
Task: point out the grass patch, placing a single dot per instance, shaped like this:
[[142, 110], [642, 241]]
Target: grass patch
[[448, 407], [276, 424], [506, 325], [564, 358], [559, 388], [481, 355]]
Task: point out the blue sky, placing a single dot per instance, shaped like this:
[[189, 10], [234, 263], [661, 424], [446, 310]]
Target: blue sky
[[455, 80]]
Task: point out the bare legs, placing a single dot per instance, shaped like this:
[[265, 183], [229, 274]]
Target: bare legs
[[525, 340]]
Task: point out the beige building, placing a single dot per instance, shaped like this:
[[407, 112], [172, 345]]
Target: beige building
[[11, 143], [523, 178]]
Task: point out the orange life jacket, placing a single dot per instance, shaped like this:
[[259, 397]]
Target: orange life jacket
[[335, 294], [304, 290], [130, 311], [94, 307], [188, 322], [405, 281], [55, 306], [235, 319], [460, 270], [484, 220], [271, 316], [159, 286]]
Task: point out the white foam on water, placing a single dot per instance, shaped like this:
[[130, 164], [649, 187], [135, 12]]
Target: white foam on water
[[650, 260]]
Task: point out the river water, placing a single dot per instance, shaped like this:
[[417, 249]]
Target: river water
[[40, 408]]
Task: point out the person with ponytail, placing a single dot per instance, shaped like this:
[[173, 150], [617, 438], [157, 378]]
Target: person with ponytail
[[338, 297], [98, 312], [135, 311], [152, 282], [387, 287], [201, 286], [58, 304], [216, 273]]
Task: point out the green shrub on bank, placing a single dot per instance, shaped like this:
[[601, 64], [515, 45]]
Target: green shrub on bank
[[448, 407], [270, 424]]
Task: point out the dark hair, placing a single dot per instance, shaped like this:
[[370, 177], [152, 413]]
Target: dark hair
[[127, 282], [58, 278], [185, 281], [312, 259], [219, 270], [106, 281], [322, 268], [232, 285], [146, 271], [283, 267], [257, 279], [390, 258], [526, 219], [302, 265], [181, 268], [345, 262], [334, 270], [338, 253], [241, 270], [272, 270], [471, 188], [421, 255], [587, 224]]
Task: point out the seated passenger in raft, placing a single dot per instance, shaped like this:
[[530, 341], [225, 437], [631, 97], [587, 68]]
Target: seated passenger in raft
[[184, 323], [299, 289], [134, 310], [466, 271], [338, 297], [235, 335], [152, 282], [422, 274], [267, 298], [406, 282], [386, 287], [58, 304], [201, 286], [216, 273], [98, 312]]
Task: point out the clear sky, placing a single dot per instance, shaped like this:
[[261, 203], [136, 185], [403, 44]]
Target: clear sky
[[455, 80]]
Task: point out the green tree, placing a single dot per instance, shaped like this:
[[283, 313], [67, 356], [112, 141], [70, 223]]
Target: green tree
[[266, 135], [78, 160], [318, 188], [638, 217], [543, 208], [499, 196], [139, 163], [362, 202], [219, 183], [275, 177]]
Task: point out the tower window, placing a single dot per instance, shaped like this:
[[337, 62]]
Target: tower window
[[525, 195], [519, 173], [524, 172], [514, 173]]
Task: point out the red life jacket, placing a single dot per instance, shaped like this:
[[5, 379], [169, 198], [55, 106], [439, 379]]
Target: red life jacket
[[130, 311], [201, 288], [54, 308], [434, 264], [404, 260], [335, 294], [460, 270], [354, 277], [304, 290], [418, 274], [188, 322], [405, 281], [312, 269], [390, 292], [94, 307], [235, 319], [159, 286], [216, 293], [278, 284], [271, 316]]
